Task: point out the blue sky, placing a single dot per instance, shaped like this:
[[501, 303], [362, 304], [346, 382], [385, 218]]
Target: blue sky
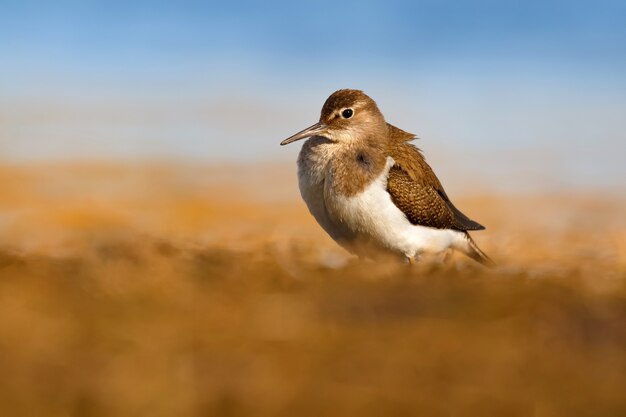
[[122, 41], [226, 81]]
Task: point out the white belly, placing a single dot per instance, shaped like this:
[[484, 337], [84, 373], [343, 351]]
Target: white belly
[[312, 192], [370, 216], [373, 215]]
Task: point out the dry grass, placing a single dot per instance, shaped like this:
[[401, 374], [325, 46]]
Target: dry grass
[[181, 291]]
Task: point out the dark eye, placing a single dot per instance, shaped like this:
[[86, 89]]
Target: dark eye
[[347, 113]]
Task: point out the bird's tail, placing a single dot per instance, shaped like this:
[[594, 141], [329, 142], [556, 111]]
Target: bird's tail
[[473, 251]]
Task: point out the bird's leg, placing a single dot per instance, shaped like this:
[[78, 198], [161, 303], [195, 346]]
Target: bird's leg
[[412, 260]]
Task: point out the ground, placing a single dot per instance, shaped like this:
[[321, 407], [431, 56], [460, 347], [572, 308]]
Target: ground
[[170, 290]]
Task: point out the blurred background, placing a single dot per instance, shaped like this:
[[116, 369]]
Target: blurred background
[[521, 96], [156, 258]]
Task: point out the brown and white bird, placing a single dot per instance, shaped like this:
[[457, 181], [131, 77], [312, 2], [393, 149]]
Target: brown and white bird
[[372, 190]]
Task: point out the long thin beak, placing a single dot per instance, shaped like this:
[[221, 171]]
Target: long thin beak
[[314, 130]]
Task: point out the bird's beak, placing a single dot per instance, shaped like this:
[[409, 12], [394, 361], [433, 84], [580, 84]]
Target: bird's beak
[[314, 130]]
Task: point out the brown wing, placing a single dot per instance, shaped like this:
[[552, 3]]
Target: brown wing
[[417, 192]]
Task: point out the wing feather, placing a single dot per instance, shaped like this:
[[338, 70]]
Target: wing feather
[[417, 192]]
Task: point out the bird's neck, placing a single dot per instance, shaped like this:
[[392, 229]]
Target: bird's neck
[[345, 168]]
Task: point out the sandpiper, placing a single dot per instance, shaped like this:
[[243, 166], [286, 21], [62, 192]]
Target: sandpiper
[[370, 189]]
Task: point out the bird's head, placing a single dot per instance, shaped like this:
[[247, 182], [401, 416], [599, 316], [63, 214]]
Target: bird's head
[[347, 116]]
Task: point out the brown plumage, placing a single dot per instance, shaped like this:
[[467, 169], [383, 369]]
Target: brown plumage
[[416, 190], [352, 149]]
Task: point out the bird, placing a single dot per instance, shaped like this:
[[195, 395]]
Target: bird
[[371, 189]]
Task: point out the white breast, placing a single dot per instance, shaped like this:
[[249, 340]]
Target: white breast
[[370, 215], [313, 162], [373, 214], [312, 192]]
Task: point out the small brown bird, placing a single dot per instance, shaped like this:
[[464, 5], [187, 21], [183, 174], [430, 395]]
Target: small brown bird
[[372, 190]]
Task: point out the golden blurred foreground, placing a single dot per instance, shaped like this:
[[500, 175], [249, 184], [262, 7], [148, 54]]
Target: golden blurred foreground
[[161, 290]]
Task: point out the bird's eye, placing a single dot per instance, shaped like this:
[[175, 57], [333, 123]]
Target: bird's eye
[[347, 113]]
